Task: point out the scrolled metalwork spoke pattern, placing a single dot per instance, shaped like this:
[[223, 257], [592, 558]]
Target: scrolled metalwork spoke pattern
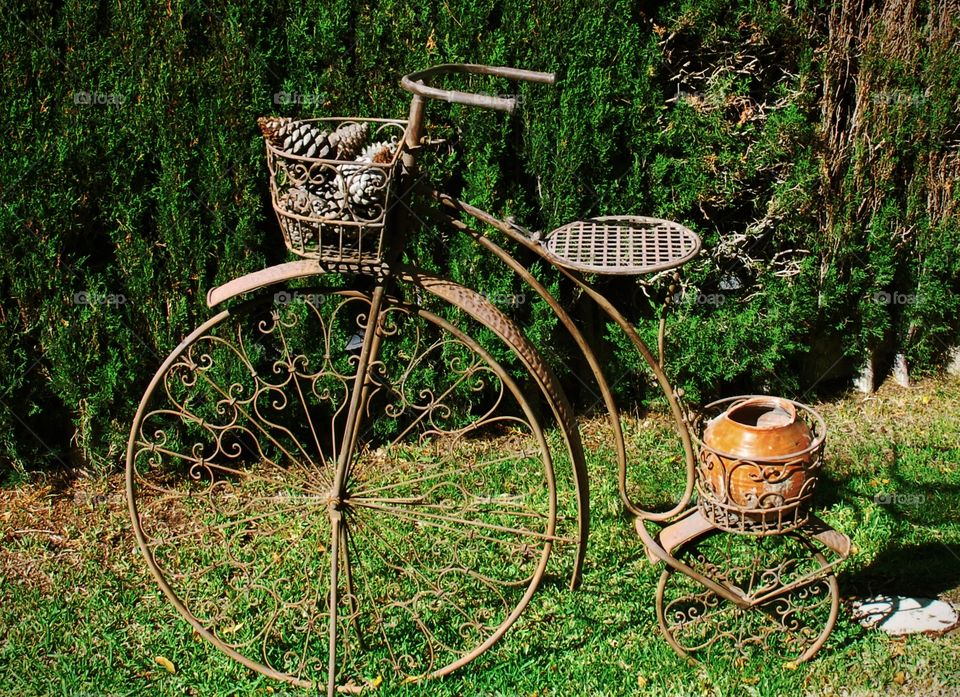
[[787, 620], [451, 516], [447, 506], [232, 466]]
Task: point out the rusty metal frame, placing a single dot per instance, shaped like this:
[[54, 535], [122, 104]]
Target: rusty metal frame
[[529, 241], [688, 524], [150, 445], [771, 514], [607, 245], [353, 233], [774, 612]]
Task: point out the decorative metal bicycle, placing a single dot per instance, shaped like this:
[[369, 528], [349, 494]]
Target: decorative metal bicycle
[[359, 477]]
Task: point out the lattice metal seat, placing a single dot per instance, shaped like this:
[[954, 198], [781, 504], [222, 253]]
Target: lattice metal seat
[[625, 245]]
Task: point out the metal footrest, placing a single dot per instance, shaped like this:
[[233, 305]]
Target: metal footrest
[[622, 245], [693, 524]]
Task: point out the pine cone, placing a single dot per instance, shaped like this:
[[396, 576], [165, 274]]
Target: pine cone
[[365, 184], [269, 125], [296, 137], [381, 152], [366, 187], [298, 200], [348, 139], [332, 199]]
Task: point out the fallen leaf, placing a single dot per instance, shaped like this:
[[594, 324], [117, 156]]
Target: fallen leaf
[[900, 678], [641, 681], [234, 629], [165, 662], [375, 683], [790, 665]]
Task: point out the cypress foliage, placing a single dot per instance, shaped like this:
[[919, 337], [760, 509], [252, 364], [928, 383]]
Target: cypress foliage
[[814, 146]]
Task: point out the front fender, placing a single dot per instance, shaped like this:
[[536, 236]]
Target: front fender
[[276, 274]]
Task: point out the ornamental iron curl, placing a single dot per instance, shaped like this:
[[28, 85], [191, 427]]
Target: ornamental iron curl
[[341, 227], [788, 599], [446, 519], [337, 485]]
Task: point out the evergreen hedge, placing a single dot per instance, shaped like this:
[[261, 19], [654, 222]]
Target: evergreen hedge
[[813, 146]]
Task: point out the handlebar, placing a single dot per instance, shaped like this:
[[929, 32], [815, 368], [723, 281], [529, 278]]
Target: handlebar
[[417, 83]]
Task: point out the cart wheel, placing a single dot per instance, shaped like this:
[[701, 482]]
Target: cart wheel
[[793, 625], [430, 547]]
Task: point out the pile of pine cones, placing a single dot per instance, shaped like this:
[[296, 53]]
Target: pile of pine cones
[[336, 192]]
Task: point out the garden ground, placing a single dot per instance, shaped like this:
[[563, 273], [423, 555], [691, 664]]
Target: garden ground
[[81, 615]]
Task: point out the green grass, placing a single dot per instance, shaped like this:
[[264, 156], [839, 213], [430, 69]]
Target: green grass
[[82, 615]]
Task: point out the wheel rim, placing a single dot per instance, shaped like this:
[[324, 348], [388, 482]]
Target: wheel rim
[[698, 623], [231, 462]]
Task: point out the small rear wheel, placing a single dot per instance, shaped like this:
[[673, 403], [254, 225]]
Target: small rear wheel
[[700, 624]]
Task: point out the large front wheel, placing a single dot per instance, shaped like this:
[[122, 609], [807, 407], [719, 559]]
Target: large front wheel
[[336, 502]]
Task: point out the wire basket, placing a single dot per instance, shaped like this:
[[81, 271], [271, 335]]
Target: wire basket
[[780, 488], [336, 210]]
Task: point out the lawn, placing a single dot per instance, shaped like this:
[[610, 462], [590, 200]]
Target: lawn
[[81, 614]]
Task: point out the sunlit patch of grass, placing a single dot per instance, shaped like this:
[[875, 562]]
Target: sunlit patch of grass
[[82, 615]]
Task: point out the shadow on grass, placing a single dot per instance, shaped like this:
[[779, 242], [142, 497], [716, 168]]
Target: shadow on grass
[[925, 570]]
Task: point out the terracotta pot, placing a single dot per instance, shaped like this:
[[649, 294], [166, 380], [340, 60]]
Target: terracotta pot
[[761, 430]]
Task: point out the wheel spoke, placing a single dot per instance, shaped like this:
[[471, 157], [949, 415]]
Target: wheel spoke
[[365, 491], [455, 523], [794, 623], [402, 507]]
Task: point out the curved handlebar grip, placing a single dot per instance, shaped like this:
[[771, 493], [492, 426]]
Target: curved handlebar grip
[[417, 84]]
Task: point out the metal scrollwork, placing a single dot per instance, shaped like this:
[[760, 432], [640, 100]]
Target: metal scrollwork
[[445, 519], [788, 598]]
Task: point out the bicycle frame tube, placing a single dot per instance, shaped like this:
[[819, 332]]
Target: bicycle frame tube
[[608, 308], [418, 84], [414, 132]]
